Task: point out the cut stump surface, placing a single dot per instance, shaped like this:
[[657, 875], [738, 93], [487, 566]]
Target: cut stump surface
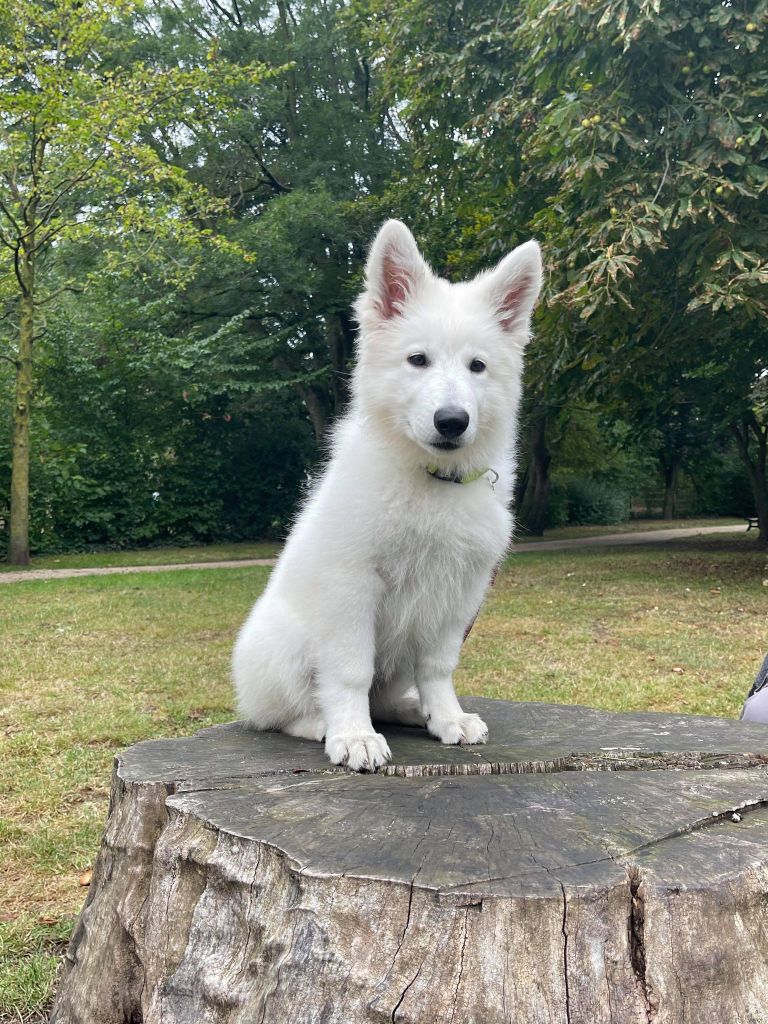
[[583, 867]]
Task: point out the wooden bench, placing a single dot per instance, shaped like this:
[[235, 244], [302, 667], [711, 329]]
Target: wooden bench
[[583, 867], [752, 523]]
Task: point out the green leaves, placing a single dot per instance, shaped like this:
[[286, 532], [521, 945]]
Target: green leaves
[[76, 119], [662, 115]]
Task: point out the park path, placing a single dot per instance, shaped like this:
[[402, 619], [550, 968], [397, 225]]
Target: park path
[[614, 540], [601, 541], [121, 570]]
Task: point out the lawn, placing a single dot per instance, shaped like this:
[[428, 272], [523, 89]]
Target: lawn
[[93, 664]]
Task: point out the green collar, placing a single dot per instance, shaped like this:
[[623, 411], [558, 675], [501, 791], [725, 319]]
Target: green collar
[[470, 478]]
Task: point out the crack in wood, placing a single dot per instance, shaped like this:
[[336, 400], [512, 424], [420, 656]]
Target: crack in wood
[[252, 888], [582, 762], [715, 818], [405, 993], [616, 760], [564, 930], [636, 927], [461, 964], [295, 879]]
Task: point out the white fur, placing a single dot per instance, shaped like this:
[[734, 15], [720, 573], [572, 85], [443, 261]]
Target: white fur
[[386, 566]]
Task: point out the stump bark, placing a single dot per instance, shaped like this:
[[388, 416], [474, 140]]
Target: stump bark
[[582, 868]]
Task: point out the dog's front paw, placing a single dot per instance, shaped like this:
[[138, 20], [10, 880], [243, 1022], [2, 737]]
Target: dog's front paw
[[361, 753], [463, 729]]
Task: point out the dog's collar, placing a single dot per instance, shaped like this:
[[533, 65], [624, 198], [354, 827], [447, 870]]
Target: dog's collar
[[454, 478]]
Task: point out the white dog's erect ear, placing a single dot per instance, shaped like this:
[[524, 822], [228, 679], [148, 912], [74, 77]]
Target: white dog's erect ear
[[395, 269], [514, 285]]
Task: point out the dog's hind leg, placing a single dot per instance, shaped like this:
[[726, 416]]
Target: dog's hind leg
[[271, 668], [308, 727], [397, 700]]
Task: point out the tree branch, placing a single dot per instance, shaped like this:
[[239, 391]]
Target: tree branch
[[6, 242], [67, 187], [234, 17], [663, 179], [742, 441], [11, 218], [18, 273], [275, 182], [42, 243], [60, 291]]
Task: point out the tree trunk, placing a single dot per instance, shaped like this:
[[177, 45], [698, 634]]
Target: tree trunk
[[290, 75], [671, 470], [317, 403], [339, 338], [18, 547], [757, 470], [535, 504], [584, 867]]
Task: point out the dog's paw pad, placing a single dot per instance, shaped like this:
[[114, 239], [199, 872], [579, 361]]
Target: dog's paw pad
[[364, 753], [464, 730]]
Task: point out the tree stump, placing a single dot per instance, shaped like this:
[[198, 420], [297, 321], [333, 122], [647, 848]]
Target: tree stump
[[584, 867]]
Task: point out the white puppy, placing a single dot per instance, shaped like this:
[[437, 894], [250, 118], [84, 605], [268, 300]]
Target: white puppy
[[389, 560]]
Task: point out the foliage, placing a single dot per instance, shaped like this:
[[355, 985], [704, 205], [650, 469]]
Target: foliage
[[647, 127], [647, 124], [77, 118], [584, 501], [144, 453], [303, 163], [74, 155]]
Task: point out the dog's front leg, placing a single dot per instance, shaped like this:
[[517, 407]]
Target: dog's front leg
[[342, 693], [344, 673], [434, 670]]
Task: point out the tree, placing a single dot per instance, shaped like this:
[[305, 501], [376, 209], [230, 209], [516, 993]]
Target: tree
[[629, 139], [134, 439], [303, 162], [74, 157], [647, 127]]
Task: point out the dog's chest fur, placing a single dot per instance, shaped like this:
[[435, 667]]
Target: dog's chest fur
[[433, 551]]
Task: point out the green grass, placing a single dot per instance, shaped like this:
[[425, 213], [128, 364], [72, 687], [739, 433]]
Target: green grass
[[93, 664], [28, 961], [676, 627]]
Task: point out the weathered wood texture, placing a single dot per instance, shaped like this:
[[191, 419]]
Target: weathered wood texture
[[582, 868]]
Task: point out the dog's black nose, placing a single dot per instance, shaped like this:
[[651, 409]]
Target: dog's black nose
[[451, 421]]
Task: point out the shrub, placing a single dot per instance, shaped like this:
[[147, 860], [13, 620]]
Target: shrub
[[557, 513], [596, 502], [583, 501]]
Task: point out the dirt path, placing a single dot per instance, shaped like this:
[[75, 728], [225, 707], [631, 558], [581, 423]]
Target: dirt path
[[611, 540], [603, 540], [119, 570]]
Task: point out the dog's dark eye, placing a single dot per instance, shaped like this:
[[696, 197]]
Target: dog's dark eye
[[418, 359], [477, 366]]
